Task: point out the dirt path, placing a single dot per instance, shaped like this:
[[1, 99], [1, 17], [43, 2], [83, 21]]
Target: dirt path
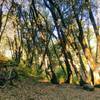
[[28, 90]]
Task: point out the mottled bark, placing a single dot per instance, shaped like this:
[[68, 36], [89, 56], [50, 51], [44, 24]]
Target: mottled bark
[[84, 45], [0, 16], [61, 36], [96, 30]]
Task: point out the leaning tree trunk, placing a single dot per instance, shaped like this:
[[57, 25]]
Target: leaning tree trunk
[[96, 31], [61, 36], [98, 50], [85, 47], [0, 17]]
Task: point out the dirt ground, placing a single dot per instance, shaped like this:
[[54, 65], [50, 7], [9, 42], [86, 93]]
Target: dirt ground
[[28, 90]]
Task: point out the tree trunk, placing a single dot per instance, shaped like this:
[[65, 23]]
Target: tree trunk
[[96, 30], [98, 50], [84, 45]]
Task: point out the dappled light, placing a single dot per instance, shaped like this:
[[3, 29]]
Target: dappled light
[[53, 43]]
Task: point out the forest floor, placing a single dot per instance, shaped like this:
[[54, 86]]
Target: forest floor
[[29, 90]]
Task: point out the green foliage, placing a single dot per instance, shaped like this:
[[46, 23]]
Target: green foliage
[[60, 75]]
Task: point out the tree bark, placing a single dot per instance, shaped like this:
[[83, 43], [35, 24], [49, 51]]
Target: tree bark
[[84, 45], [96, 30]]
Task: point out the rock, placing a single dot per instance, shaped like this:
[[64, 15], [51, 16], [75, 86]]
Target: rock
[[88, 87]]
